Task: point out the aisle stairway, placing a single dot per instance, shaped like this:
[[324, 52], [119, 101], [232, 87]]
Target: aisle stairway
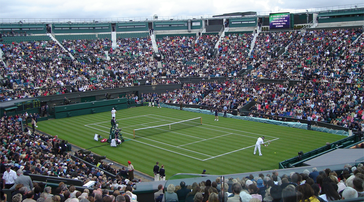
[[253, 41], [54, 39]]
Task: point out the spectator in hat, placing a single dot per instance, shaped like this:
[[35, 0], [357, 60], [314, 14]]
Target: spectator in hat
[[22, 179], [182, 193], [130, 171], [9, 177]]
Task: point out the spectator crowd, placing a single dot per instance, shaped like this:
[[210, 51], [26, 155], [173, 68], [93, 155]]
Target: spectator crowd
[[315, 185]]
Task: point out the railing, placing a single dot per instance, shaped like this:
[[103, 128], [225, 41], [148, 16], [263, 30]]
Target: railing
[[152, 18]]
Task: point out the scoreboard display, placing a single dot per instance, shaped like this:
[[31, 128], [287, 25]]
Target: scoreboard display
[[279, 20]]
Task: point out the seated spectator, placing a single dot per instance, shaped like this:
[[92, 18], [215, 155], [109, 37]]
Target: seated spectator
[[170, 195], [236, 189], [349, 193]]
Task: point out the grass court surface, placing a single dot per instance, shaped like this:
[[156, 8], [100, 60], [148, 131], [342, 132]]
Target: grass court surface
[[221, 147]]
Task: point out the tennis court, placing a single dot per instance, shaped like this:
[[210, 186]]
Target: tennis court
[[227, 143], [186, 140]]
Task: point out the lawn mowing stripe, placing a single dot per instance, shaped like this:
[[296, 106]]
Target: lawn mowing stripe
[[144, 156]]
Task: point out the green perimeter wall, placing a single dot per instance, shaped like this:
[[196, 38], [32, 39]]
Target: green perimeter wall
[[92, 107]]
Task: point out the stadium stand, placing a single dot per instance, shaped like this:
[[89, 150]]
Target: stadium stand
[[282, 74]]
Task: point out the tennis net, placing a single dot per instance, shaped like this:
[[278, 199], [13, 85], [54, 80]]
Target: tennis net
[[153, 130]]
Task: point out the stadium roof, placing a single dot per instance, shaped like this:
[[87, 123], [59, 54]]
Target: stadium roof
[[238, 14]]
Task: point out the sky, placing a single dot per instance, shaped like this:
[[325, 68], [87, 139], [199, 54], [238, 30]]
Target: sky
[[145, 9]]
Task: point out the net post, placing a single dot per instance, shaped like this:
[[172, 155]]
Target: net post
[[201, 120], [134, 133]]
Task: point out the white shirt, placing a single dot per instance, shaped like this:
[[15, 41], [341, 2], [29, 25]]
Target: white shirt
[[9, 177], [113, 113], [259, 141]]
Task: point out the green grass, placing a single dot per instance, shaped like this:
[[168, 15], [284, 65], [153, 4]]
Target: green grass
[[223, 147]]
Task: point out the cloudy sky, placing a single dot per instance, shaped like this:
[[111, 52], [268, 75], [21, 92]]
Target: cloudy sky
[[142, 9]]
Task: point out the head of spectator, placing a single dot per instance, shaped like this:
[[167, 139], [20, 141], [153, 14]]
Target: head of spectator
[[84, 200], [17, 197], [236, 188], [23, 190], [358, 184], [349, 181], [276, 193], [198, 197], [29, 195], [245, 196], [213, 197], [260, 183], [182, 184], [107, 198], [329, 188], [349, 193], [170, 188], [289, 193], [119, 198]]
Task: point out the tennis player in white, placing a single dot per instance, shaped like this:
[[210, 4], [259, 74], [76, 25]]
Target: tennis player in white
[[259, 142], [113, 113]]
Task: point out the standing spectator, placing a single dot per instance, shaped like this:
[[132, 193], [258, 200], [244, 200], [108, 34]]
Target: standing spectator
[[170, 195], [130, 171], [182, 193], [9, 177], [156, 171], [162, 173], [22, 179], [159, 195]]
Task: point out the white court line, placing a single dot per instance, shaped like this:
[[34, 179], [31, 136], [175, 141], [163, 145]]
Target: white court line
[[159, 143], [144, 124], [204, 140], [117, 120], [168, 131], [203, 124], [223, 131], [233, 151]]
